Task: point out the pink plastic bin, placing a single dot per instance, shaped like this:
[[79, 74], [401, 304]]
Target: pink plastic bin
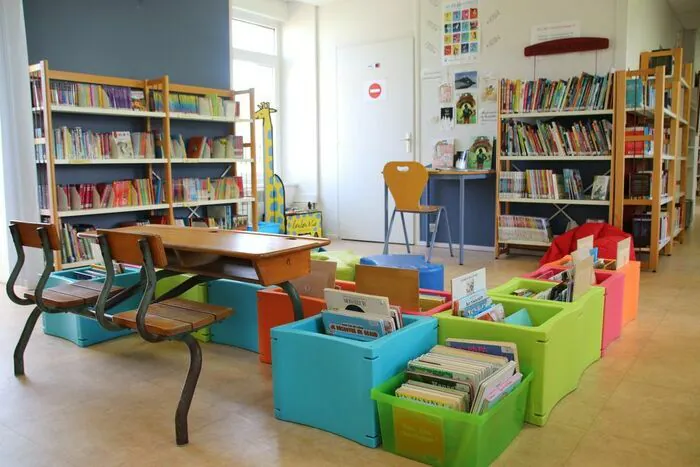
[[614, 285]]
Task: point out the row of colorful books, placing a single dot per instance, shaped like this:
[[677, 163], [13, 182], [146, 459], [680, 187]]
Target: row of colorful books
[[641, 229], [639, 182], [121, 193], [584, 138], [92, 95], [546, 184], [203, 189], [584, 92], [74, 249], [209, 105], [524, 228], [79, 144], [640, 93]]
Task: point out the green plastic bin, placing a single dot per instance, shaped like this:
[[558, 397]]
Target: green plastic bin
[[443, 437], [547, 348], [197, 293], [590, 308]]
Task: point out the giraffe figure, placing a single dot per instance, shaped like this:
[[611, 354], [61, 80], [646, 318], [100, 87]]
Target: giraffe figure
[[274, 188]]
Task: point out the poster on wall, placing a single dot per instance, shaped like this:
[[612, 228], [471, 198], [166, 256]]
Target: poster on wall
[[466, 80], [467, 109], [462, 32], [447, 118]]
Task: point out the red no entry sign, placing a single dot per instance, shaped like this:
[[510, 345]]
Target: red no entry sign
[[375, 90]]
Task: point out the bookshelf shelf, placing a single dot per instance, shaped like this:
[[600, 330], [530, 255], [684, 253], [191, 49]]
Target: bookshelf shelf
[[526, 243], [51, 90], [559, 114], [108, 161], [211, 161], [212, 202], [662, 244], [664, 157], [111, 112], [584, 202], [647, 202], [102, 211], [558, 158]]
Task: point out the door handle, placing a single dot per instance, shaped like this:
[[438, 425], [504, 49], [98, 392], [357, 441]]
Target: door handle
[[408, 141]]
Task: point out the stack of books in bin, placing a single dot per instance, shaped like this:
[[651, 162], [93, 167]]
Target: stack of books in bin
[[464, 375]]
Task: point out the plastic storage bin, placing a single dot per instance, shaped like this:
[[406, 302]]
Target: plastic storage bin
[[197, 293], [443, 437], [590, 316], [614, 285], [630, 302], [275, 309], [325, 381], [80, 330], [547, 348], [241, 328], [431, 276]]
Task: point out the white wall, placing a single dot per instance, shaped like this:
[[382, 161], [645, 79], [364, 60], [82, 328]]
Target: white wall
[[299, 109], [651, 24], [342, 24], [273, 9]]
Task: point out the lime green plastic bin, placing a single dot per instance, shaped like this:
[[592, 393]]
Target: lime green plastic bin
[[547, 348], [590, 312], [443, 437], [197, 293]]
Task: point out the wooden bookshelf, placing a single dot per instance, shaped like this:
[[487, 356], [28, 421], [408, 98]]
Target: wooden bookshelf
[[49, 167], [507, 205]]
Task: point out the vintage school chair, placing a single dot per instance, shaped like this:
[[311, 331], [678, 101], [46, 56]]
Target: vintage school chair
[[155, 322], [406, 182]]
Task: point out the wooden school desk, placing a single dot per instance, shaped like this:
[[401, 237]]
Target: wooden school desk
[[440, 175], [210, 254]]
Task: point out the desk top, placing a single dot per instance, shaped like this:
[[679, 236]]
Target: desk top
[[235, 244], [438, 172]]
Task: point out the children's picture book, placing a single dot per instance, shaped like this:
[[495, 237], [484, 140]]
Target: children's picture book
[[601, 187], [359, 316], [498, 348], [480, 154], [469, 283], [444, 153], [467, 109]]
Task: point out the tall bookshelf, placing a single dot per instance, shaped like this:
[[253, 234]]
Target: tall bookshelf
[[561, 210], [147, 178]]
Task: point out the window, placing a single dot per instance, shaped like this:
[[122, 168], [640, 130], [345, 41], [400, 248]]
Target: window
[[255, 63]]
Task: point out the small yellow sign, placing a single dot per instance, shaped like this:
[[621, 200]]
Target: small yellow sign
[[306, 223], [419, 436]]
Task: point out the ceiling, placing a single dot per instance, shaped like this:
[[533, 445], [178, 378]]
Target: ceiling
[[318, 2], [687, 11]]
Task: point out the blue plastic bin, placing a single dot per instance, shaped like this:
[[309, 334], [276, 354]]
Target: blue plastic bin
[[241, 328], [269, 227], [325, 381], [80, 330], [431, 276]]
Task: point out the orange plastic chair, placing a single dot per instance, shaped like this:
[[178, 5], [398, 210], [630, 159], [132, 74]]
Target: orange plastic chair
[[406, 182]]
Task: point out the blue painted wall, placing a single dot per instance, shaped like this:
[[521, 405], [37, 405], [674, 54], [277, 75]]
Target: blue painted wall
[[188, 40], [479, 211], [185, 39]]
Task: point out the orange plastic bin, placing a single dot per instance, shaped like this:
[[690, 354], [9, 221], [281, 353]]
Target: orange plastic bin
[[630, 301], [275, 309]]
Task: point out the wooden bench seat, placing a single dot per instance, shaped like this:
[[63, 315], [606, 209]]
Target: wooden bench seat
[[176, 316], [71, 295]]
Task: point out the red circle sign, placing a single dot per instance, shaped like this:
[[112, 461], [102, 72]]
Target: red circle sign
[[375, 91]]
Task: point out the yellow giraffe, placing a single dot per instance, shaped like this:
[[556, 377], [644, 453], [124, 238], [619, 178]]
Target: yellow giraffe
[[274, 188]]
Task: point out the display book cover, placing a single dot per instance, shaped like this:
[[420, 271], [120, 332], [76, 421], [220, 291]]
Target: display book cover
[[359, 316]]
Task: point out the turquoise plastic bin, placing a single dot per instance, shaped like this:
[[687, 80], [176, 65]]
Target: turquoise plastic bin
[[80, 330], [326, 381], [241, 328]]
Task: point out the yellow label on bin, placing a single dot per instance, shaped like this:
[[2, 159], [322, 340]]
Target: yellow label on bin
[[419, 436]]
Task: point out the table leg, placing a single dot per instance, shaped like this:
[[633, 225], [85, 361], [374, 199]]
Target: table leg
[[427, 218], [461, 220], [296, 301]]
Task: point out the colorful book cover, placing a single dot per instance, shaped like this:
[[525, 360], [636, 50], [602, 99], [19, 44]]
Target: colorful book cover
[[356, 326], [501, 349]]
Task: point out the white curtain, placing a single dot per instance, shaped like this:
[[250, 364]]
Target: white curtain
[[18, 181]]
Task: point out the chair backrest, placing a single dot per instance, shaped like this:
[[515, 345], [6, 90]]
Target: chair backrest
[[124, 247], [29, 234], [406, 182]]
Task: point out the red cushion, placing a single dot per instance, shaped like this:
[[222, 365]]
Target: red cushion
[[605, 238]]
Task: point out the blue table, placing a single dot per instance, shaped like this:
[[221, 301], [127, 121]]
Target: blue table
[[440, 175]]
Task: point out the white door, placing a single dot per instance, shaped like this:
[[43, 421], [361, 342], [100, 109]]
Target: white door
[[375, 126]]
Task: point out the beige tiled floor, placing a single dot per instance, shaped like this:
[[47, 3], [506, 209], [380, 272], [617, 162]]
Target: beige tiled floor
[[113, 404]]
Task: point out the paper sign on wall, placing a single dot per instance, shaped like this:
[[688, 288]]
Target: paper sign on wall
[[468, 283], [583, 274], [623, 253], [462, 32], [553, 31], [375, 90]]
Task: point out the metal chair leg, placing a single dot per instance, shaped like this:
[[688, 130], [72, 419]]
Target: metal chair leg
[[24, 340], [449, 232], [405, 233], [183, 408], [388, 233], [432, 242]]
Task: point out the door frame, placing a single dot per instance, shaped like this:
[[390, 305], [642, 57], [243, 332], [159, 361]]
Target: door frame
[[417, 87]]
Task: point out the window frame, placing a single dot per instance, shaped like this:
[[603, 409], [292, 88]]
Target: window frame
[[263, 59]]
